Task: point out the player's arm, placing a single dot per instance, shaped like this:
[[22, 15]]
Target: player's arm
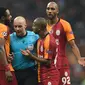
[[11, 55], [70, 39], [2, 52], [3, 58], [41, 60], [81, 60], [35, 57], [75, 49]]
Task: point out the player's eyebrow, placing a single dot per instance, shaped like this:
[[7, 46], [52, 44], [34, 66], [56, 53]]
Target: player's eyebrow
[[17, 25], [48, 8]]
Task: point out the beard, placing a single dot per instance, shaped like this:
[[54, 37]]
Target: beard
[[51, 17]]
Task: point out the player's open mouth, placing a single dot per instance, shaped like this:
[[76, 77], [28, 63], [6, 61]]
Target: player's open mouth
[[50, 15]]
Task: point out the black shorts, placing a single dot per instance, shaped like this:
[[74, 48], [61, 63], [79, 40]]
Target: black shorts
[[27, 76]]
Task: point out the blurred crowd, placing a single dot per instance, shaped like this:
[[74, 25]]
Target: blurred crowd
[[70, 10]]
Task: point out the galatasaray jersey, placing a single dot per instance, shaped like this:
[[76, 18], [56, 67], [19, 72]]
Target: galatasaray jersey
[[46, 49], [4, 33], [62, 33]]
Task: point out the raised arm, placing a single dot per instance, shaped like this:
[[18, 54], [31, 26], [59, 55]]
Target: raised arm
[[28, 53]]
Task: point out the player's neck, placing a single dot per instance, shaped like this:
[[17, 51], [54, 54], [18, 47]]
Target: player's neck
[[44, 35], [53, 21]]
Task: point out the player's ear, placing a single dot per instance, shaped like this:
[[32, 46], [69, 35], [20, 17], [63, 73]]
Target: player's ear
[[58, 11], [26, 25]]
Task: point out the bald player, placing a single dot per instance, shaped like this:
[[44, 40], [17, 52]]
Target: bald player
[[62, 32], [25, 68]]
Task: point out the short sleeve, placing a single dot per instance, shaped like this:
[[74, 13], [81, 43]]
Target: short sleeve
[[68, 30]]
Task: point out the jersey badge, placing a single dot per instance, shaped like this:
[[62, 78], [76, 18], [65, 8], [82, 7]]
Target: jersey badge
[[57, 32], [4, 34], [49, 83], [31, 47]]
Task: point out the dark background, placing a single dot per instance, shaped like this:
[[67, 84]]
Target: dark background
[[71, 10]]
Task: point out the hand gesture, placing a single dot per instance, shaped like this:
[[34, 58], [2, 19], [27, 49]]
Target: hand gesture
[[8, 75], [25, 52], [81, 61]]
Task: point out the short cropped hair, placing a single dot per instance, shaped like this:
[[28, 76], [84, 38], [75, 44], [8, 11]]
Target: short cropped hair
[[2, 11], [41, 22]]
